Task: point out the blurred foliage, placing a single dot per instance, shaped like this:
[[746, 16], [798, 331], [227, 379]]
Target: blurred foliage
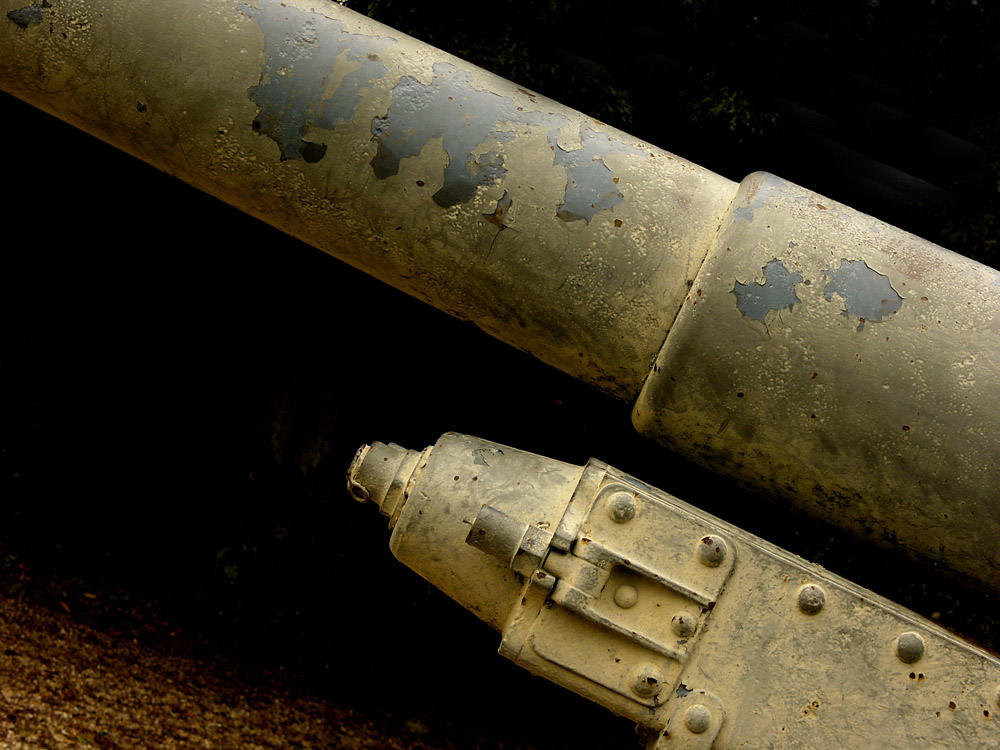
[[733, 110]]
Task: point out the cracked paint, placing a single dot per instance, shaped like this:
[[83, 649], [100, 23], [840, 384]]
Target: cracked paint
[[776, 291], [868, 295], [497, 218], [301, 51]]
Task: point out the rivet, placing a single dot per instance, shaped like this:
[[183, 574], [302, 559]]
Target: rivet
[[697, 719], [626, 596], [683, 625], [909, 647], [647, 682], [621, 507], [712, 550], [811, 599]]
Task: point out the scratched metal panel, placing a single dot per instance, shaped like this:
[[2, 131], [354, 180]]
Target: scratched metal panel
[[551, 231], [848, 366]]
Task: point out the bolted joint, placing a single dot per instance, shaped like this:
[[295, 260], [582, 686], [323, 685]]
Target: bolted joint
[[520, 545]]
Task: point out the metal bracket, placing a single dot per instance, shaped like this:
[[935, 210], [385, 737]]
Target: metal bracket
[[617, 596]]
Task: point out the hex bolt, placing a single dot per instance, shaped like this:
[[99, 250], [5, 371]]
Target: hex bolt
[[712, 550], [909, 647], [647, 682], [626, 596], [682, 624], [811, 599], [697, 719], [621, 507]]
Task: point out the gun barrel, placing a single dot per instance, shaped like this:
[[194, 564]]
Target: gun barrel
[[803, 348]]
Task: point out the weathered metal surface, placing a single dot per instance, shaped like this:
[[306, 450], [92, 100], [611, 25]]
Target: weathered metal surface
[[706, 636], [544, 227], [845, 365], [818, 355]]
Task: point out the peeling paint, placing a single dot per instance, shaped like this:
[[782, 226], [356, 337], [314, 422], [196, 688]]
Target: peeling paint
[[479, 455], [767, 191], [301, 50], [500, 212], [464, 118], [28, 15], [868, 295], [776, 291], [591, 185], [497, 218]]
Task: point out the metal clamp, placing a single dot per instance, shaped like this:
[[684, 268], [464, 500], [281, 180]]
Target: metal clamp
[[642, 573]]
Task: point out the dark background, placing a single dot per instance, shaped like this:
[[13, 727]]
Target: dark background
[[138, 312]]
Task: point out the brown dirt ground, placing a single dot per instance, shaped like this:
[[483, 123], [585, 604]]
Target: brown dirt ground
[[65, 684]]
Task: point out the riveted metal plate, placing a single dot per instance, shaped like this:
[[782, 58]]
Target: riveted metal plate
[[632, 593]]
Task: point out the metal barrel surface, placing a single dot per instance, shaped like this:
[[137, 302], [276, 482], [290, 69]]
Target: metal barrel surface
[[810, 351]]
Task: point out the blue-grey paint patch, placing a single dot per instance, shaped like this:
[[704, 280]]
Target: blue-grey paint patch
[[463, 117], [28, 15], [868, 295], [768, 191], [775, 292], [590, 183], [479, 455], [300, 51]]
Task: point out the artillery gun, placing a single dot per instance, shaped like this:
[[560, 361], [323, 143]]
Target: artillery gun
[[763, 298]]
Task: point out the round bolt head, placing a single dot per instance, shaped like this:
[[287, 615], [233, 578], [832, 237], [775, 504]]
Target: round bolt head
[[811, 599], [626, 596], [647, 682], [682, 624], [621, 507], [697, 719], [909, 647], [712, 550]]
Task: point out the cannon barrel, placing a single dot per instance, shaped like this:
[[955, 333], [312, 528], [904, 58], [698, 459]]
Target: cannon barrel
[[802, 347]]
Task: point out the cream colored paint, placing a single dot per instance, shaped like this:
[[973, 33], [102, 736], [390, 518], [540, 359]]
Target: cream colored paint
[[773, 674]]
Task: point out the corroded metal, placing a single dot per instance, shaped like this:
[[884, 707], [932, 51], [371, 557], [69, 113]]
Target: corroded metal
[[841, 363], [807, 349], [703, 634]]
